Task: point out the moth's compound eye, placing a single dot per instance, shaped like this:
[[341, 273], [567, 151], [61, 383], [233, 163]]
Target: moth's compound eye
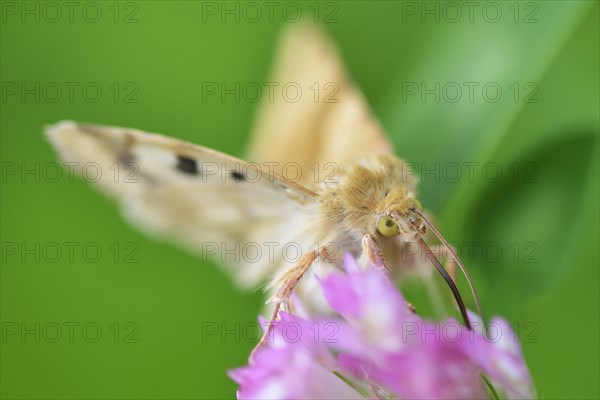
[[387, 226]]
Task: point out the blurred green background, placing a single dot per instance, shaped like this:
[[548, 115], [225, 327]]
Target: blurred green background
[[150, 59]]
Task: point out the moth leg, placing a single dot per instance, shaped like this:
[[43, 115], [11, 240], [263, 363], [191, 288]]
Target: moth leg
[[288, 282], [373, 253], [288, 306]]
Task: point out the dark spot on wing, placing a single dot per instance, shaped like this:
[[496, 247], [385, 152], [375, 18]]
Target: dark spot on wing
[[187, 165], [238, 176], [125, 157], [92, 129]]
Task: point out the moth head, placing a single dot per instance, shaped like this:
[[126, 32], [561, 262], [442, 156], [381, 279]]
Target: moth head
[[406, 221], [387, 226], [402, 219]]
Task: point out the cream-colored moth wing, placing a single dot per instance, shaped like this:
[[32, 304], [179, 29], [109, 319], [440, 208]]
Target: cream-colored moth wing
[[330, 122], [198, 197]]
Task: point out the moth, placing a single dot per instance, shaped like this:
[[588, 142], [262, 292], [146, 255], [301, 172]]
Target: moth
[[366, 205]]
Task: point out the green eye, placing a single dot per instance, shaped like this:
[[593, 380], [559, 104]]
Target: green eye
[[387, 226]]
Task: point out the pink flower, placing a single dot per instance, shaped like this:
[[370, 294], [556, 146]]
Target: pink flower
[[381, 348], [295, 365], [500, 357]]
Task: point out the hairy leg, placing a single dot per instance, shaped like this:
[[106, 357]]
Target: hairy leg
[[287, 283]]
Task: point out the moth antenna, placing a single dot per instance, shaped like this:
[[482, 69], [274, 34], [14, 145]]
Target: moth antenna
[[449, 281], [458, 261]]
